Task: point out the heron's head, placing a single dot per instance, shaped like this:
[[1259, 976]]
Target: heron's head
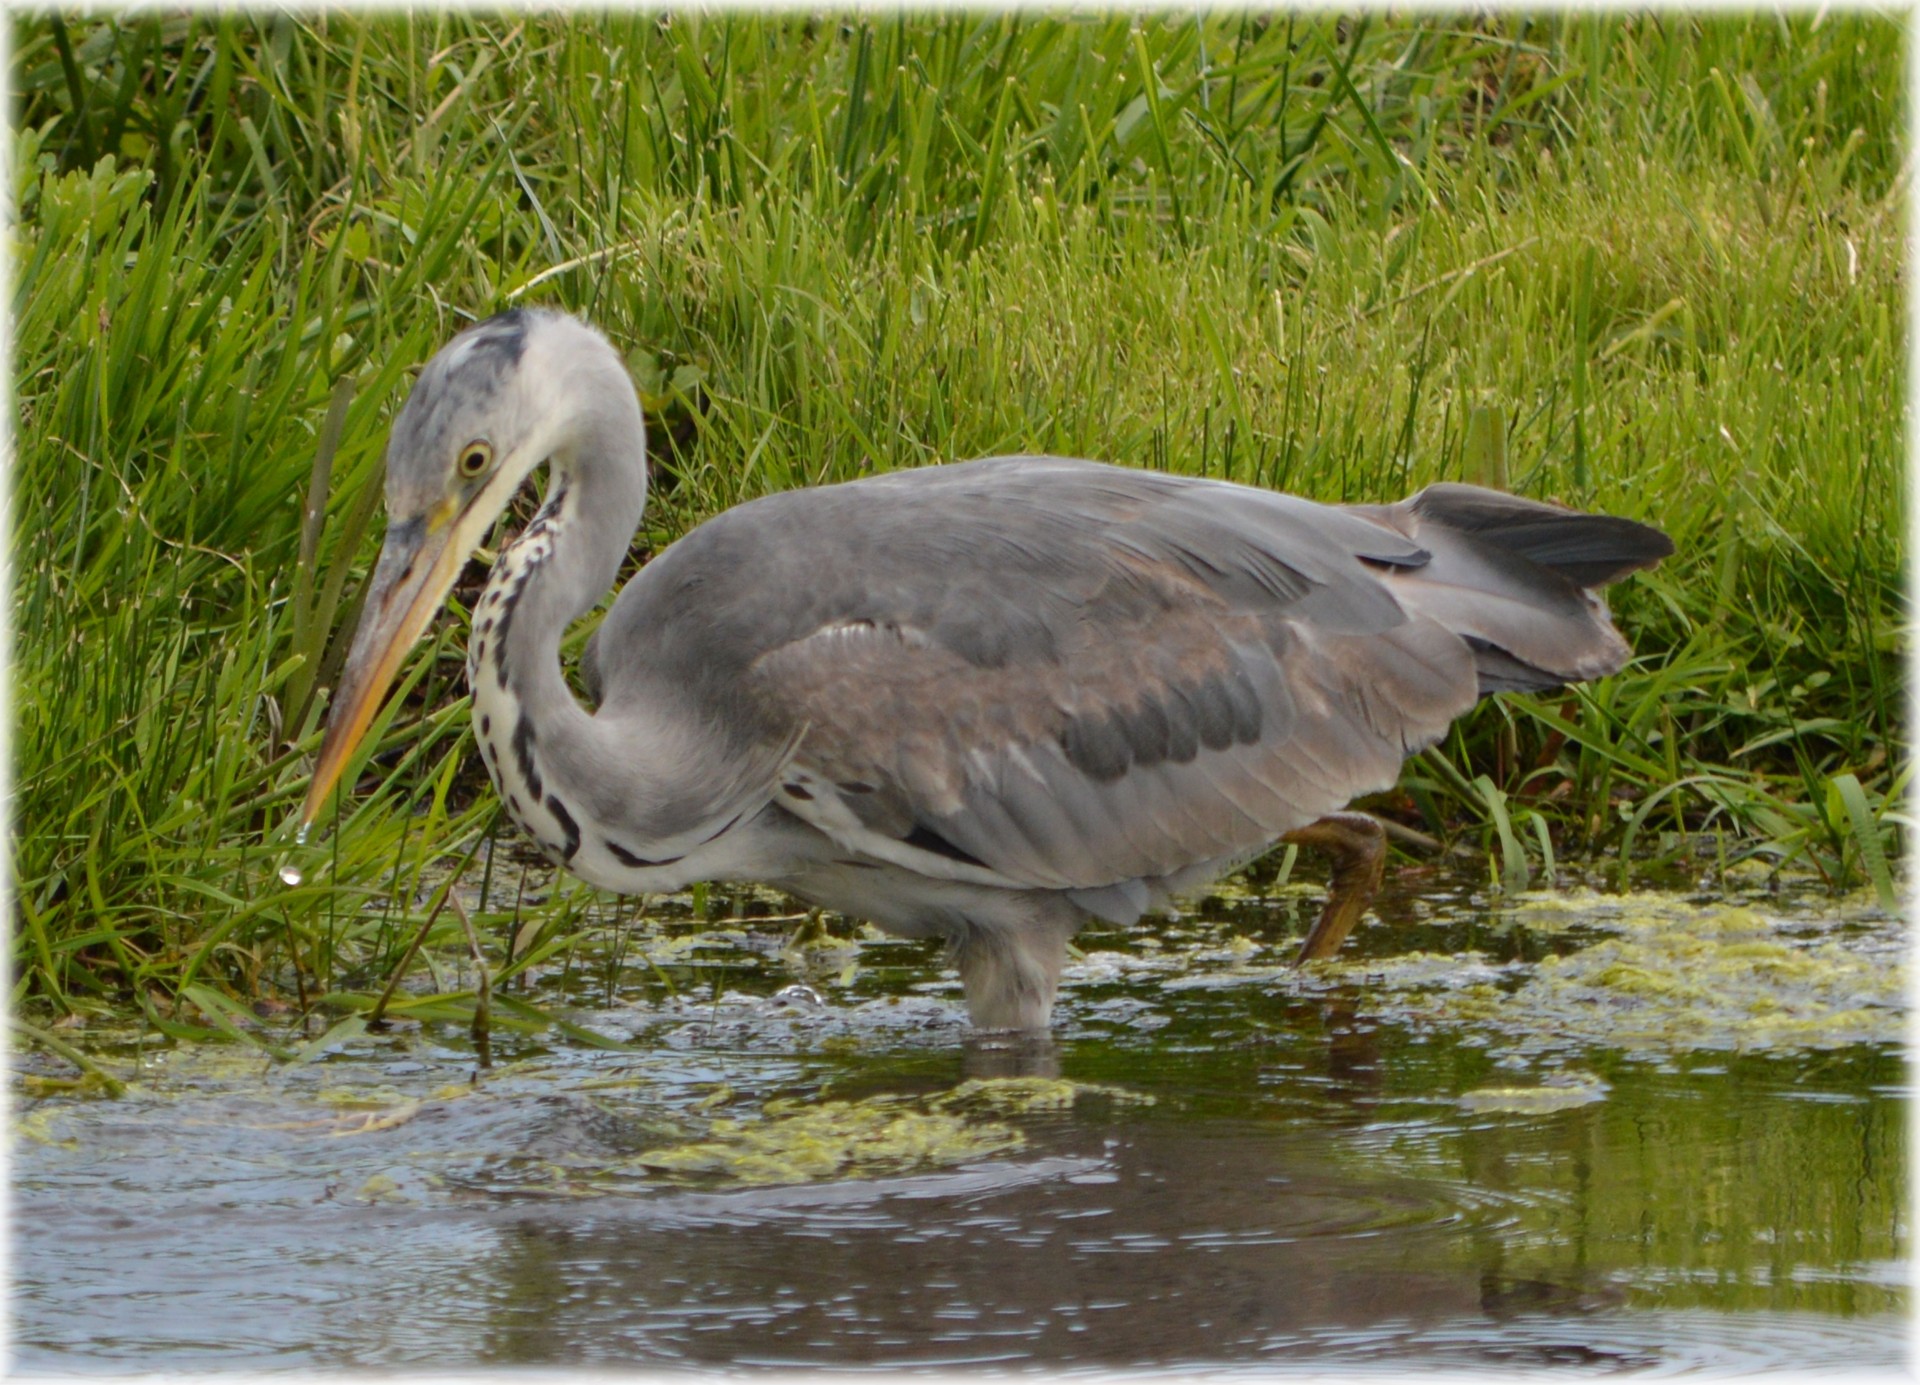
[[496, 402]]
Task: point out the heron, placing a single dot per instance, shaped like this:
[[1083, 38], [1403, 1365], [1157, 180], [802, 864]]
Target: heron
[[986, 701]]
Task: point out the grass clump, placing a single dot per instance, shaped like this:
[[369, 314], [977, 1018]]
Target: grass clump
[[1645, 264]]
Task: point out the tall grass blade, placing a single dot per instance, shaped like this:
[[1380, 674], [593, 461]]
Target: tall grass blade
[[1486, 449], [343, 1032], [230, 1019], [53, 1043], [306, 642], [1514, 872], [1545, 838], [1866, 838]]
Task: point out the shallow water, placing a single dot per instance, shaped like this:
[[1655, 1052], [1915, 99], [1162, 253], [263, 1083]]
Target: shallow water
[[1588, 1131]]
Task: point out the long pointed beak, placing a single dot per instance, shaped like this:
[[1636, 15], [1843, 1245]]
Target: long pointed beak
[[417, 567]]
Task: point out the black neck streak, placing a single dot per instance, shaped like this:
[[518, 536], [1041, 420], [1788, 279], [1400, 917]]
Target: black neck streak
[[512, 756]]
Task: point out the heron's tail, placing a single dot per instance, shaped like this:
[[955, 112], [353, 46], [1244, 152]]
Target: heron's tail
[[1591, 550], [1519, 581]]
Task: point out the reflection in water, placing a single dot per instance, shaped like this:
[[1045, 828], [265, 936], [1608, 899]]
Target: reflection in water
[[1010, 1055], [1517, 1242], [1166, 1248], [1307, 1178]]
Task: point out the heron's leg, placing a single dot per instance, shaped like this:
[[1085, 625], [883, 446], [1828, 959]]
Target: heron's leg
[[1029, 1053], [1010, 966], [1357, 847]]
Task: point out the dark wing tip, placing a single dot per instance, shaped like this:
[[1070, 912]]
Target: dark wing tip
[[1589, 549]]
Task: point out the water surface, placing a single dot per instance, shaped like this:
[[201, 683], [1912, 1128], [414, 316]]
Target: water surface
[[1588, 1131]]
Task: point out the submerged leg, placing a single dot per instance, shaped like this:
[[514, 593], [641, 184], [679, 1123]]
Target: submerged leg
[[1011, 968], [1357, 847], [1028, 1053]]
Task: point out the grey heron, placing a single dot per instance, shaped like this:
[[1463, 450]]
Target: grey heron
[[983, 701]]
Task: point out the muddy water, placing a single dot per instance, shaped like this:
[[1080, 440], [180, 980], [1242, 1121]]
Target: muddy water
[[1581, 1130]]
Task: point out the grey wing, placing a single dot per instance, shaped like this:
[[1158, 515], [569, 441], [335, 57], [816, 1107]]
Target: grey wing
[[1133, 763], [1045, 673], [1212, 666]]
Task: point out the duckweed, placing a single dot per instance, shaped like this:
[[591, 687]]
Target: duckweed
[[1667, 975], [804, 1141], [1020, 1096], [795, 1142]]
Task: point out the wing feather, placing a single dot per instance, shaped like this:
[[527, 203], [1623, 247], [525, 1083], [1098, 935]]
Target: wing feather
[[1044, 673], [1336, 715]]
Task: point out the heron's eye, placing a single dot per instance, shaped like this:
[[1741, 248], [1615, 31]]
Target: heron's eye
[[475, 457]]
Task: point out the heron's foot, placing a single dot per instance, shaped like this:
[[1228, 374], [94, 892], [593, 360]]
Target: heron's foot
[[1357, 847]]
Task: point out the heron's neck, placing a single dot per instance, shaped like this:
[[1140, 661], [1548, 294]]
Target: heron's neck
[[538, 741]]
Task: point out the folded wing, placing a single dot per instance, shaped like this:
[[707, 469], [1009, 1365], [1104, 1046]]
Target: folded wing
[[1195, 669]]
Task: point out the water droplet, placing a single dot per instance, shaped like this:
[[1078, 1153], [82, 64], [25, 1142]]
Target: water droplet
[[291, 875], [301, 836]]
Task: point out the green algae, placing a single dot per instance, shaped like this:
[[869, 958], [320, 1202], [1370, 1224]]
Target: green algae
[[44, 1126], [1021, 1096], [376, 1098], [795, 1142], [91, 1085], [1665, 975], [380, 1187]]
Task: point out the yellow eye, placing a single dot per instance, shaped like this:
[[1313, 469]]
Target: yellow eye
[[475, 457]]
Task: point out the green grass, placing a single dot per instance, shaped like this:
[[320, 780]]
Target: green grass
[[1651, 266]]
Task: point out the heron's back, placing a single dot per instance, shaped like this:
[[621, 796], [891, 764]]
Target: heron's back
[[1017, 560]]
